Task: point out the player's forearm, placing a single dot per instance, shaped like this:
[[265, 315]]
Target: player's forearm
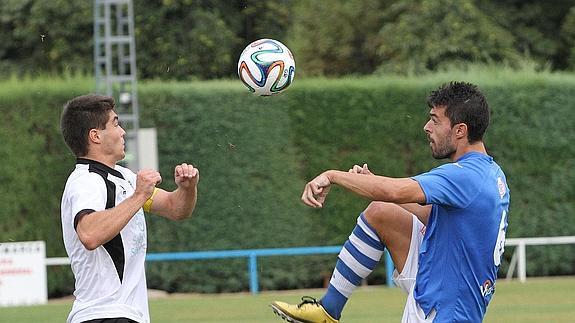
[[182, 203], [371, 187], [97, 228], [374, 187]]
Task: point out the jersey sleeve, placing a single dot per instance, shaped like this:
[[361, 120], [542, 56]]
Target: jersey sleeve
[[450, 185], [87, 193]]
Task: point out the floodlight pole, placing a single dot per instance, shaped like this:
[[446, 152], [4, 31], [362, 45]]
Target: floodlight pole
[[115, 66]]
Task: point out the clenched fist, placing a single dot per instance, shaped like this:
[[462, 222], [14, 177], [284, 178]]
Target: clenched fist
[[186, 176], [147, 181]]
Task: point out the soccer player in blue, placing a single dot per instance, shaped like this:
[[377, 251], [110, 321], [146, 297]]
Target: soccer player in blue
[[445, 229]]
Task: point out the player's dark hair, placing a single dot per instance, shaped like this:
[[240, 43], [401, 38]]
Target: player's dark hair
[[80, 115], [463, 103]]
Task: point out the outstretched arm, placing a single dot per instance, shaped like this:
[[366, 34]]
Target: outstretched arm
[[180, 203], [375, 188], [379, 188], [421, 211]]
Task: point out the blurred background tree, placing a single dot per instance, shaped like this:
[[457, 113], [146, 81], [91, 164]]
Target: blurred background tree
[[338, 39], [179, 39], [535, 26], [567, 49], [423, 35], [202, 39], [40, 37]]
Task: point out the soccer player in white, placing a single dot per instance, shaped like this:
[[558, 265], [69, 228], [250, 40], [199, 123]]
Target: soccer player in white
[[445, 229], [103, 220]]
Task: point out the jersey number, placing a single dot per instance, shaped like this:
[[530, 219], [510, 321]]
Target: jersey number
[[500, 245]]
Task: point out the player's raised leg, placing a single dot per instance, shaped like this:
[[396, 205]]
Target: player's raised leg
[[380, 225]]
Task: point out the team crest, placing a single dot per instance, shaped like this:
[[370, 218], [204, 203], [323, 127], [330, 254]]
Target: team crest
[[487, 288]]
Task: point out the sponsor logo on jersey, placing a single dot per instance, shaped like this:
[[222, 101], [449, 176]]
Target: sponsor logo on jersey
[[123, 191], [487, 288]]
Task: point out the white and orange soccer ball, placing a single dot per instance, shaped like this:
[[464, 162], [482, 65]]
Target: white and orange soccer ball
[[266, 67]]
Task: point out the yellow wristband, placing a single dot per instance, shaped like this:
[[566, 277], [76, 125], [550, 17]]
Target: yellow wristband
[[148, 205]]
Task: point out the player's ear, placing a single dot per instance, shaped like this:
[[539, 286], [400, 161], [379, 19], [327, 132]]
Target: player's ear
[[460, 130], [94, 135]]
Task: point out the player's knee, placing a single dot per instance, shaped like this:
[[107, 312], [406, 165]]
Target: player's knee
[[377, 212]]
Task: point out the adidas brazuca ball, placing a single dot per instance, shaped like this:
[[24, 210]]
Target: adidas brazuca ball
[[266, 67]]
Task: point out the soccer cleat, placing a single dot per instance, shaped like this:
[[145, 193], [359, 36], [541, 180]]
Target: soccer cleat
[[308, 311]]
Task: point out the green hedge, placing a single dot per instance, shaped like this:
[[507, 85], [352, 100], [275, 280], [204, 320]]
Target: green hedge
[[256, 153]]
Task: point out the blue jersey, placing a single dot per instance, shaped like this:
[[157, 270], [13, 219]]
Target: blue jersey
[[464, 239]]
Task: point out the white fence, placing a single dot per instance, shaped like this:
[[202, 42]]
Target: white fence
[[518, 258]]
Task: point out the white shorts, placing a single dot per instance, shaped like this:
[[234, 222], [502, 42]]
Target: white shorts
[[406, 279]]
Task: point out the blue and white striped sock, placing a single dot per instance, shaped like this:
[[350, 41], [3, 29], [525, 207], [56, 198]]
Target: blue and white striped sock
[[357, 259]]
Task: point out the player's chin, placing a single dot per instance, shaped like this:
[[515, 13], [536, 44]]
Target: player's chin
[[120, 157]]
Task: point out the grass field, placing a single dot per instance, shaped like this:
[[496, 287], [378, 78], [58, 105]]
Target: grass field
[[538, 300]]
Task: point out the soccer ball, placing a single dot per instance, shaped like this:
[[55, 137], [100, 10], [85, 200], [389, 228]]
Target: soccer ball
[[266, 67]]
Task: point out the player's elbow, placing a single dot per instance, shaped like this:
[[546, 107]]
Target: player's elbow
[[90, 244], [183, 215], [89, 241]]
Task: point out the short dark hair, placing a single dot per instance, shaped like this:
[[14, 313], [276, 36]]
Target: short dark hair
[[80, 115], [463, 103]]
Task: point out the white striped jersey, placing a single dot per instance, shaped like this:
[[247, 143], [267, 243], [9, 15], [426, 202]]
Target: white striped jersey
[[110, 280]]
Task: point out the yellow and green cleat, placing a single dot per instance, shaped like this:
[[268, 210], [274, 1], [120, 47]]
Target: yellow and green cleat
[[308, 311]]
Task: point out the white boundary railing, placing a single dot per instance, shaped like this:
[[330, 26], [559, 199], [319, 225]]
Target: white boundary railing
[[518, 258]]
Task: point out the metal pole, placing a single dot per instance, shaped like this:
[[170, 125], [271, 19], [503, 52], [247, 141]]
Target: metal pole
[[253, 269]]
